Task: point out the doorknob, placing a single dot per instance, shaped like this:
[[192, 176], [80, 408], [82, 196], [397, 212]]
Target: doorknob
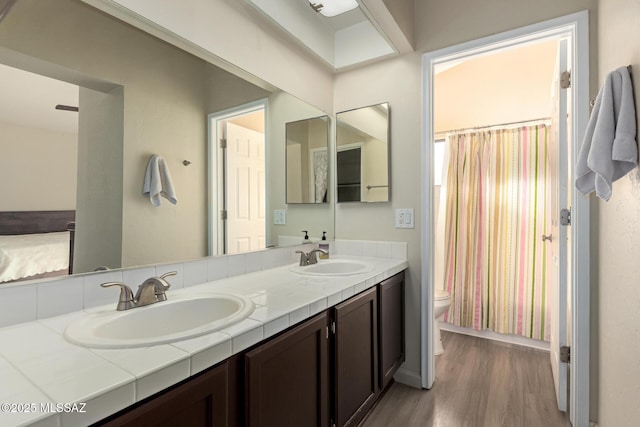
[[549, 238]]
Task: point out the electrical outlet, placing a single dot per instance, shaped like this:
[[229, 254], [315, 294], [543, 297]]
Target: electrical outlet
[[279, 217], [404, 218]]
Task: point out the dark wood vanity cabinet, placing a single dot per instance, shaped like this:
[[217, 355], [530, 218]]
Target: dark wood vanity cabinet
[[391, 327], [355, 357], [327, 371], [287, 378], [200, 401]]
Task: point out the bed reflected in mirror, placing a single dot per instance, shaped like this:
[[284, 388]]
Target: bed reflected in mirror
[[36, 244]]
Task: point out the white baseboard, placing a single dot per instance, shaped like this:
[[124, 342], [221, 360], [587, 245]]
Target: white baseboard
[[410, 378], [511, 339]]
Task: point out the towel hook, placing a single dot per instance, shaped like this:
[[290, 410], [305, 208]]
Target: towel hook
[[592, 103], [186, 162]]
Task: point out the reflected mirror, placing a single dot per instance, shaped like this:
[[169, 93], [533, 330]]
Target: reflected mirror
[[136, 99], [362, 151], [307, 160]]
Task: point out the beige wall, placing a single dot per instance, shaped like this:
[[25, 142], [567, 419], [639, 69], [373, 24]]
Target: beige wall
[[99, 200], [397, 81], [226, 90], [175, 128], [37, 169], [375, 170], [233, 32], [616, 294], [283, 108], [504, 87], [403, 12], [438, 25]]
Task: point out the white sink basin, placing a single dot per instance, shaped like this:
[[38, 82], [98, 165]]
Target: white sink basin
[[333, 267], [179, 317]]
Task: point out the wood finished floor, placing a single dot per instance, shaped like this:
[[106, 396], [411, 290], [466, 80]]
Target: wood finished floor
[[478, 383]]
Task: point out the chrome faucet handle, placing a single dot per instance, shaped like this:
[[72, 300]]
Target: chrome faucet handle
[[126, 300], [169, 274], [312, 257], [162, 285]]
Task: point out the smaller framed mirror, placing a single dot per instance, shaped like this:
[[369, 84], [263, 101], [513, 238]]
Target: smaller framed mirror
[[307, 160], [362, 151]]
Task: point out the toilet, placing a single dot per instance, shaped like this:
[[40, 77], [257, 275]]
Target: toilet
[[441, 305]]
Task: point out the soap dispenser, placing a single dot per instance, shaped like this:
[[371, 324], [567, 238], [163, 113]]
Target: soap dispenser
[[306, 237], [324, 244]]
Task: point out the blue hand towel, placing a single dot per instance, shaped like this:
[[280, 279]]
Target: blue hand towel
[[157, 182]]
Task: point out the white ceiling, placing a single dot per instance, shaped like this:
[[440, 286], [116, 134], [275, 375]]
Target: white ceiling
[[29, 100], [341, 41]]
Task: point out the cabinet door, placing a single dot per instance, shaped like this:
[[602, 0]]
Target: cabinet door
[[201, 401], [391, 327], [287, 378], [356, 357]]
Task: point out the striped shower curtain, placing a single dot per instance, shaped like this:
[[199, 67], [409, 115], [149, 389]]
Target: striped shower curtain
[[495, 196]]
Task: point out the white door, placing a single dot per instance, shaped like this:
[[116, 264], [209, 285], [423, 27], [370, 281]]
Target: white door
[[245, 190], [558, 245]]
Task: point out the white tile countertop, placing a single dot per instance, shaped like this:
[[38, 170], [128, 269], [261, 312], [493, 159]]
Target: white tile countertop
[[47, 381]]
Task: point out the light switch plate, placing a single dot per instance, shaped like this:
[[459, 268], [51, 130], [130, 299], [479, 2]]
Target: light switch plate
[[404, 218], [279, 217]]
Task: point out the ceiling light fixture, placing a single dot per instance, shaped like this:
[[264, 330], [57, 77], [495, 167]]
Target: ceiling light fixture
[[330, 8]]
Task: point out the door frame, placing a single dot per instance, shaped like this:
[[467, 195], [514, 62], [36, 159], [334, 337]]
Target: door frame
[[347, 147], [576, 27], [215, 168]]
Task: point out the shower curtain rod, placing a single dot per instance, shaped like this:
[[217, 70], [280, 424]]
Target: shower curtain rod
[[500, 125]]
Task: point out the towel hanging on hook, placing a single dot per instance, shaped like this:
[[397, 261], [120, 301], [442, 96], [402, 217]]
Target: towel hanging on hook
[[157, 182], [630, 69], [609, 149]]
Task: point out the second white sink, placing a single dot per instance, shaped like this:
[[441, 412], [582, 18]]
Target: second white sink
[[179, 317], [334, 267]]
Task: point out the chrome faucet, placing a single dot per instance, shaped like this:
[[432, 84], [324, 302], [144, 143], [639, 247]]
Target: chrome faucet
[[310, 257], [150, 291]]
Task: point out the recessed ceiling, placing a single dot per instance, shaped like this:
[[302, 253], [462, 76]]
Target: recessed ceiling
[[29, 100], [342, 41]]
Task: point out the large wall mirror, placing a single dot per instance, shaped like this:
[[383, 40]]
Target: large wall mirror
[[308, 160], [137, 96], [362, 151]]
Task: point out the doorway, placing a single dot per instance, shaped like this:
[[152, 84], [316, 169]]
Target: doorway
[[349, 171], [237, 165], [492, 114], [574, 29]]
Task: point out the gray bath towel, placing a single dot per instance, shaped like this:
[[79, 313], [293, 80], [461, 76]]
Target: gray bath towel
[[609, 149], [157, 182]]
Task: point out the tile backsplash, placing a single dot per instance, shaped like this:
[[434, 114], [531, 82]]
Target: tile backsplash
[[39, 299]]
